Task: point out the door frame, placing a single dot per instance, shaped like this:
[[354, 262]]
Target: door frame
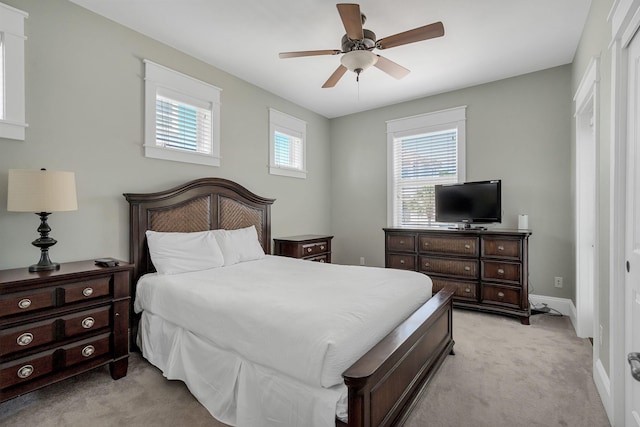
[[587, 119], [625, 22]]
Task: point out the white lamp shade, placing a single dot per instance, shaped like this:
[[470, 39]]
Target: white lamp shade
[[41, 191], [359, 60]]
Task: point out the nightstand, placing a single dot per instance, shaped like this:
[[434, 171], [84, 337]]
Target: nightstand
[[311, 247], [56, 324]]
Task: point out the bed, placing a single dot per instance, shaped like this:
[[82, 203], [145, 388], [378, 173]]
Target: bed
[[380, 386]]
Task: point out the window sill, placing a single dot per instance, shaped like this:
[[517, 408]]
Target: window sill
[[293, 173], [12, 130], [180, 156]]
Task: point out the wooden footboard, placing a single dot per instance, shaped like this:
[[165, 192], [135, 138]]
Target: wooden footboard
[[385, 383]]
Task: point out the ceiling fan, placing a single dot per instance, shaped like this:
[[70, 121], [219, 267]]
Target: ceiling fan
[[358, 43]]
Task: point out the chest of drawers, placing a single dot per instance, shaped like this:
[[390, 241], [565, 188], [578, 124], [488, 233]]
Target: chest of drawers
[[488, 269], [56, 324], [311, 247]]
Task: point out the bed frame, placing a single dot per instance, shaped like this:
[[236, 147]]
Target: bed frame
[[385, 383]]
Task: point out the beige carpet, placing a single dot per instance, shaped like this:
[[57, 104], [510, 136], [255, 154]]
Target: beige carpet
[[503, 374]]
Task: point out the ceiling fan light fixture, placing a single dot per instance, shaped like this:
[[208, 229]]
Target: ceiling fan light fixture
[[359, 60]]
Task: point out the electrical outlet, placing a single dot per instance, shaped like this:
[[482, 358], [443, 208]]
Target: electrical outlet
[[557, 282], [361, 260]]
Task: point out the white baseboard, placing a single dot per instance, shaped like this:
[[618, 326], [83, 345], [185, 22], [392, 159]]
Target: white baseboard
[[562, 305], [603, 386]]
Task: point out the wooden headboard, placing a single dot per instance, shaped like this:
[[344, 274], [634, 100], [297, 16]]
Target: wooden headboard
[[203, 204]]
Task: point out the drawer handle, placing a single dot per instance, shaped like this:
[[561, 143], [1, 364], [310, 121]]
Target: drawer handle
[[467, 268], [426, 243], [321, 260], [500, 294], [309, 249], [402, 242], [467, 246], [322, 247], [24, 303], [88, 322], [401, 261], [87, 292], [25, 371], [25, 339], [88, 350], [426, 264], [501, 248], [500, 271], [468, 290]]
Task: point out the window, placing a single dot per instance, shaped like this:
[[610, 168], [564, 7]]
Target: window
[[287, 142], [182, 117], [422, 151], [12, 89]]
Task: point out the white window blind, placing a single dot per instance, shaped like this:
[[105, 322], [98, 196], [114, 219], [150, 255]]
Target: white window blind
[[423, 151], [420, 162], [287, 142], [182, 126]]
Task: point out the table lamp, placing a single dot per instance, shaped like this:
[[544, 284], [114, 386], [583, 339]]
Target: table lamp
[[42, 192]]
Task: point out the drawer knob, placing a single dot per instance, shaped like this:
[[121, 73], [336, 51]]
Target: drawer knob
[[322, 247], [402, 242], [88, 322], [25, 339], [500, 294], [24, 303], [25, 371], [322, 260], [309, 249], [467, 268], [500, 271], [501, 248], [88, 350], [401, 261], [87, 292], [426, 264], [467, 246], [426, 243], [468, 290]]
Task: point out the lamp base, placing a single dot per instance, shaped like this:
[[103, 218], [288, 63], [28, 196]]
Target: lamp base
[[44, 243], [44, 267]]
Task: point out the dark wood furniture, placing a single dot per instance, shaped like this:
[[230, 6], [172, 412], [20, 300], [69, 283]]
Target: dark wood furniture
[[384, 383], [488, 268], [58, 323], [311, 247]]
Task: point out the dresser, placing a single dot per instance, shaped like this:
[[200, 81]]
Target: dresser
[[57, 324], [312, 247], [487, 268]]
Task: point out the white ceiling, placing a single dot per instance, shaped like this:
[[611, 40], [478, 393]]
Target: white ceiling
[[485, 40]]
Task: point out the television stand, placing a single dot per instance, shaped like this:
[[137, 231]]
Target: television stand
[[489, 269]]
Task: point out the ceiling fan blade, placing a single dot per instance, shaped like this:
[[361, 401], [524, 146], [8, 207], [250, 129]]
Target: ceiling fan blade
[[417, 34], [351, 19], [309, 53], [335, 77], [391, 68]]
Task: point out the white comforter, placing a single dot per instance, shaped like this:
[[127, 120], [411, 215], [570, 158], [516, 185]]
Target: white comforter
[[308, 320]]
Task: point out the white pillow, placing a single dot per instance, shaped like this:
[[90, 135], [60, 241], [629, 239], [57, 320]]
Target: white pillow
[[174, 253], [239, 245]]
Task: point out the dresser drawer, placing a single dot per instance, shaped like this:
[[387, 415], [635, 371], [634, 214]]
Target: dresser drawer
[[449, 245], [25, 369], [501, 248], [464, 268], [27, 336], [401, 242], [25, 302], [80, 323], [85, 350], [85, 290], [505, 272], [401, 262], [498, 295], [315, 248], [321, 258], [463, 290]]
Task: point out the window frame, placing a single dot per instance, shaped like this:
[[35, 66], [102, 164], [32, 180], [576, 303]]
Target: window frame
[[293, 127], [419, 125], [12, 40], [162, 80]]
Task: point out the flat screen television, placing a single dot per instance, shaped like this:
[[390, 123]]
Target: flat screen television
[[478, 202]]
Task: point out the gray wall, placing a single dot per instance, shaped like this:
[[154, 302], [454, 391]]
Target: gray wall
[[84, 97], [518, 130], [594, 42]]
